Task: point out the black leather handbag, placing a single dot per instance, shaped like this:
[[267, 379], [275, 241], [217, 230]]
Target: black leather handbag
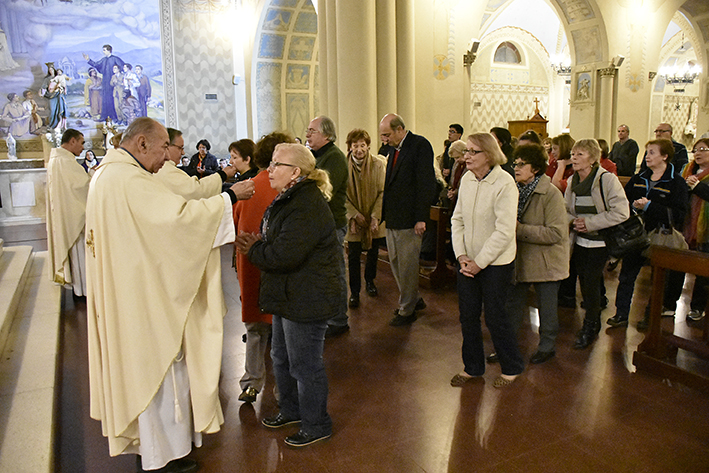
[[625, 237]]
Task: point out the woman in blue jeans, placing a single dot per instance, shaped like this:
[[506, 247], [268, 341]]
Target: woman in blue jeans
[[299, 257]]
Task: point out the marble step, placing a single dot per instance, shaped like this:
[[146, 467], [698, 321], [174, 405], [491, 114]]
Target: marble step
[[28, 367]]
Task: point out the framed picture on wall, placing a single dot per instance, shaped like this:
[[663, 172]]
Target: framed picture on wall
[[583, 90], [81, 65]]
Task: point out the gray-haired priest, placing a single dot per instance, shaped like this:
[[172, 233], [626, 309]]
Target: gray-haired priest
[[155, 303]]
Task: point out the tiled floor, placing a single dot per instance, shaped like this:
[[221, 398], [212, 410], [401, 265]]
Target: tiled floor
[[394, 410]]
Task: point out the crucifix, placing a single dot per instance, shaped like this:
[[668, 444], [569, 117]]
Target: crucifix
[[536, 105]]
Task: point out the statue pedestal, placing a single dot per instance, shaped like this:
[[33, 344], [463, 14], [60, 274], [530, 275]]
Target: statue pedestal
[[22, 191]]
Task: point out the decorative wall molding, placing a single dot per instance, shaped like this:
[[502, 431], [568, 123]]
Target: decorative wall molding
[[168, 60]]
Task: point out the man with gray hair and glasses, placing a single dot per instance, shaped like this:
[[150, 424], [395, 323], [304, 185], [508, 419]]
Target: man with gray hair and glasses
[[663, 131], [320, 137]]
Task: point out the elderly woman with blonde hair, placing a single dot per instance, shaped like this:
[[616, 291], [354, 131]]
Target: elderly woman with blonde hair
[[594, 200], [483, 232], [299, 257]]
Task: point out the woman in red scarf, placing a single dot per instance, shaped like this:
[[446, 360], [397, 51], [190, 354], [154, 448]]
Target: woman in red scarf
[[696, 228]]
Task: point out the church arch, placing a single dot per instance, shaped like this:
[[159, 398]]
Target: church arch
[[285, 74]]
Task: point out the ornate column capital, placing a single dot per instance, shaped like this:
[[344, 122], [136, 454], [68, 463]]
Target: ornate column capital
[[610, 71]]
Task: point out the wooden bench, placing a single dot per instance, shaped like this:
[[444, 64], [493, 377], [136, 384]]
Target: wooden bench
[[655, 353]]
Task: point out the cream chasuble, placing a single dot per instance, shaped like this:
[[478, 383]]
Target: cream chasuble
[[67, 187], [154, 284], [189, 187]]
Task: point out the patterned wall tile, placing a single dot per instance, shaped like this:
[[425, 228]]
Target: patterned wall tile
[[285, 3], [271, 46], [301, 48], [205, 67], [496, 104], [268, 99], [298, 76], [277, 20], [298, 113], [307, 22]]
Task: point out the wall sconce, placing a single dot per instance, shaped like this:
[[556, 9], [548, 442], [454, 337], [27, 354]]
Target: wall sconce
[[469, 57], [617, 61]]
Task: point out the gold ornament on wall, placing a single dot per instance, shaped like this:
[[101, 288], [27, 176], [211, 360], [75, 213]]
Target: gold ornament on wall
[[441, 67]]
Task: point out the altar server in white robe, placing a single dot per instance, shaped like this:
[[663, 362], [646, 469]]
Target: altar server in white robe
[[67, 187], [189, 187], [155, 303]]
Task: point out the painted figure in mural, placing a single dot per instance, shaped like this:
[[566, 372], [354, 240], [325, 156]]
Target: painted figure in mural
[[15, 113], [6, 61], [130, 80], [92, 94], [144, 90], [109, 132], [118, 92], [31, 107], [51, 90], [130, 107], [105, 67]]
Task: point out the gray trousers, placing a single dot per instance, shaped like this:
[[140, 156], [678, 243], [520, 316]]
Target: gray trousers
[[547, 302], [404, 247], [340, 319], [257, 334]]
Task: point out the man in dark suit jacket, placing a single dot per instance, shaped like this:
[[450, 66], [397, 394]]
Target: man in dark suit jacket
[[408, 192]]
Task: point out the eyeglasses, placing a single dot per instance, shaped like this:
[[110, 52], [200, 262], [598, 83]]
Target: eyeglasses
[[275, 164], [310, 131], [181, 148], [472, 152], [663, 131], [696, 150], [520, 164]]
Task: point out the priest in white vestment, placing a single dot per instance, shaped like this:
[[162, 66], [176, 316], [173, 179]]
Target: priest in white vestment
[[155, 304], [177, 180], [67, 188]]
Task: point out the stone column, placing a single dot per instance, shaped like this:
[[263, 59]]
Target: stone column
[[356, 68], [405, 63], [386, 57], [606, 111]]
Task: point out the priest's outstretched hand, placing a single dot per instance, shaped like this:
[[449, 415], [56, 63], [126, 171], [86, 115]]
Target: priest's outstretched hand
[[244, 190]]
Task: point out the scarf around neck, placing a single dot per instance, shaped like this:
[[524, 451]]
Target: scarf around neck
[[525, 192], [695, 227]]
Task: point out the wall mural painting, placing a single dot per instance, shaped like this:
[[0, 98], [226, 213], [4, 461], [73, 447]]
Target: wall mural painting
[[92, 65]]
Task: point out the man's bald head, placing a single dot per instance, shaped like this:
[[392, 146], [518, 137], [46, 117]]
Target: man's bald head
[[392, 129], [148, 141]]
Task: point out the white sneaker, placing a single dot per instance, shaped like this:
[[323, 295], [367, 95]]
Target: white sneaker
[[668, 312], [695, 315]]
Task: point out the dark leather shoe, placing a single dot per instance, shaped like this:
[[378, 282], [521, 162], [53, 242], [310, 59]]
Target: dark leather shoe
[[420, 304], [541, 356], [336, 330], [248, 395], [492, 358], [278, 421], [303, 439], [401, 320], [354, 301], [587, 335], [181, 465], [372, 289], [617, 321]]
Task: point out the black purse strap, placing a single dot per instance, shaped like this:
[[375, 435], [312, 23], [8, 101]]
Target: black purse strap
[[603, 196]]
